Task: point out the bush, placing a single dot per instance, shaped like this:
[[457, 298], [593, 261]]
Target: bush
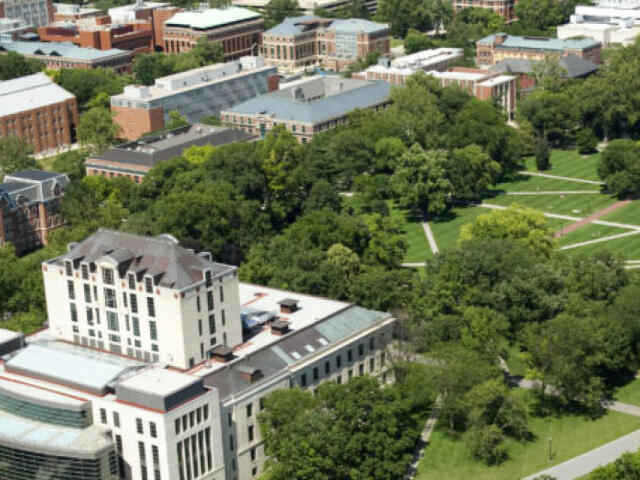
[[543, 155], [484, 444], [586, 141]]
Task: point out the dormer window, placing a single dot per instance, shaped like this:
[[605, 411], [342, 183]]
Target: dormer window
[[107, 276], [132, 281], [68, 266], [85, 271], [148, 284]]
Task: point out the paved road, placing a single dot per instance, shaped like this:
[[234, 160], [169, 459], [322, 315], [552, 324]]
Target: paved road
[[558, 177], [587, 462], [430, 238]]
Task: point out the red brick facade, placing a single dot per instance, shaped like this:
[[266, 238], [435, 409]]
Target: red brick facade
[[135, 122], [504, 8]]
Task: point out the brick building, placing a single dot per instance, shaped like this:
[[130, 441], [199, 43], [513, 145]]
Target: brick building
[[308, 106], [29, 203], [495, 48], [238, 30], [307, 40], [71, 11], [35, 12], [135, 159], [39, 111], [504, 8], [195, 94], [57, 55]]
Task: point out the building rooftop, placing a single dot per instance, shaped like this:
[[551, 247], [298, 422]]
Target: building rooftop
[[305, 23], [151, 149], [573, 66], [159, 381], [426, 58], [211, 18], [61, 49], [316, 325], [33, 186], [340, 96], [29, 92], [169, 264], [7, 335], [540, 43]]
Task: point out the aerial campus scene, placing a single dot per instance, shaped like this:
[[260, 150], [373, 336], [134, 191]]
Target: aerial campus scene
[[320, 239]]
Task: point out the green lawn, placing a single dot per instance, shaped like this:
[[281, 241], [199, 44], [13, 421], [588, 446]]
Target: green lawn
[[530, 183], [447, 458], [574, 205], [396, 42], [630, 393], [447, 232], [569, 163], [419, 250], [590, 232], [628, 214], [626, 247]]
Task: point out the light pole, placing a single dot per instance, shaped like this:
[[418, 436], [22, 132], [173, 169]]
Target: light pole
[[550, 453]]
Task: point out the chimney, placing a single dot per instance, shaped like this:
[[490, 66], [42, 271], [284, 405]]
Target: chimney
[[249, 372], [288, 305], [280, 328], [222, 354], [499, 38]]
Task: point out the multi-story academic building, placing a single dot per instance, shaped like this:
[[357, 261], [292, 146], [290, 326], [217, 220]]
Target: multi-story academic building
[[195, 94], [57, 55], [34, 108], [238, 30], [299, 42], [504, 8], [157, 359], [500, 46], [29, 208], [34, 12]]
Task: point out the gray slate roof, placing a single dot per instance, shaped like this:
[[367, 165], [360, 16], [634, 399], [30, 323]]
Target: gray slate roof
[[295, 26], [152, 149], [32, 186], [293, 348], [316, 111], [541, 43], [162, 257], [574, 66], [60, 49]]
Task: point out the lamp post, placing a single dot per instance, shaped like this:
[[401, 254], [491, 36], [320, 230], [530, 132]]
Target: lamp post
[[550, 453]]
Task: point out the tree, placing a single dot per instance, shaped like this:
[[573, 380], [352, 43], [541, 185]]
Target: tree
[[471, 171], [205, 52], [619, 167], [472, 24], [211, 120], [97, 130], [586, 141], [71, 163], [543, 154], [149, 66], [277, 10], [539, 15], [484, 442], [518, 223], [548, 74], [416, 42], [15, 155], [176, 120], [14, 65], [550, 114], [420, 15], [86, 84], [419, 182]]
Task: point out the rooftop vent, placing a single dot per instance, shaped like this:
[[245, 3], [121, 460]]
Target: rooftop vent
[[288, 305], [249, 372], [280, 328], [222, 353], [206, 256]]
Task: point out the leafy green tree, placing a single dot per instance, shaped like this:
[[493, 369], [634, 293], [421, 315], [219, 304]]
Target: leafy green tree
[[472, 24], [416, 42], [586, 141], [543, 154], [149, 66], [97, 130], [419, 182], [205, 52], [14, 65], [71, 163], [484, 441], [277, 10], [86, 84], [420, 15], [485, 332], [548, 74], [211, 120], [518, 223], [539, 15], [550, 114], [471, 171], [15, 155], [176, 120], [619, 166]]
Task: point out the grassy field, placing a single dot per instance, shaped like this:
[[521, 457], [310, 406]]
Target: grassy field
[[418, 250], [630, 393], [574, 205], [447, 458], [569, 163], [589, 232], [523, 183], [629, 214], [627, 247], [447, 232]]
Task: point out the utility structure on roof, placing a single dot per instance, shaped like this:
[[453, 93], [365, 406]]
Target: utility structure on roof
[[299, 42], [308, 106], [29, 207], [156, 362]]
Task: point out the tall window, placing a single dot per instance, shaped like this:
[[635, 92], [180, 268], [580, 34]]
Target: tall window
[[212, 324], [71, 290], [110, 297], [153, 333], [139, 428], [133, 301], [132, 281], [74, 312], [221, 294], [148, 284], [87, 293], [68, 266], [116, 419], [151, 308], [208, 278], [85, 272], [107, 276], [136, 326], [152, 430], [143, 460], [112, 321], [210, 300]]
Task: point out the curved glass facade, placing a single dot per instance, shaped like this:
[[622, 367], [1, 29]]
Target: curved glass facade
[[18, 464], [41, 413]]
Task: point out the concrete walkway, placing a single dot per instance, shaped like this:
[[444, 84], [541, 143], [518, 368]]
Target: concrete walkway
[[587, 462], [430, 238], [558, 177], [556, 192], [414, 264], [594, 216], [602, 239]]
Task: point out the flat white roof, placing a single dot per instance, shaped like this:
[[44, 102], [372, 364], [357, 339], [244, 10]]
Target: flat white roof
[[43, 394], [29, 92], [491, 82], [311, 310], [428, 57], [160, 381], [6, 335], [213, 17]]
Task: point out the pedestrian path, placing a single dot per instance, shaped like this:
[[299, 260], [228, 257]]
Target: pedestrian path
[[587, 462], [594, 216], [554, 192], [430, 238], [414, 264], [558, 177], [601, 239]]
